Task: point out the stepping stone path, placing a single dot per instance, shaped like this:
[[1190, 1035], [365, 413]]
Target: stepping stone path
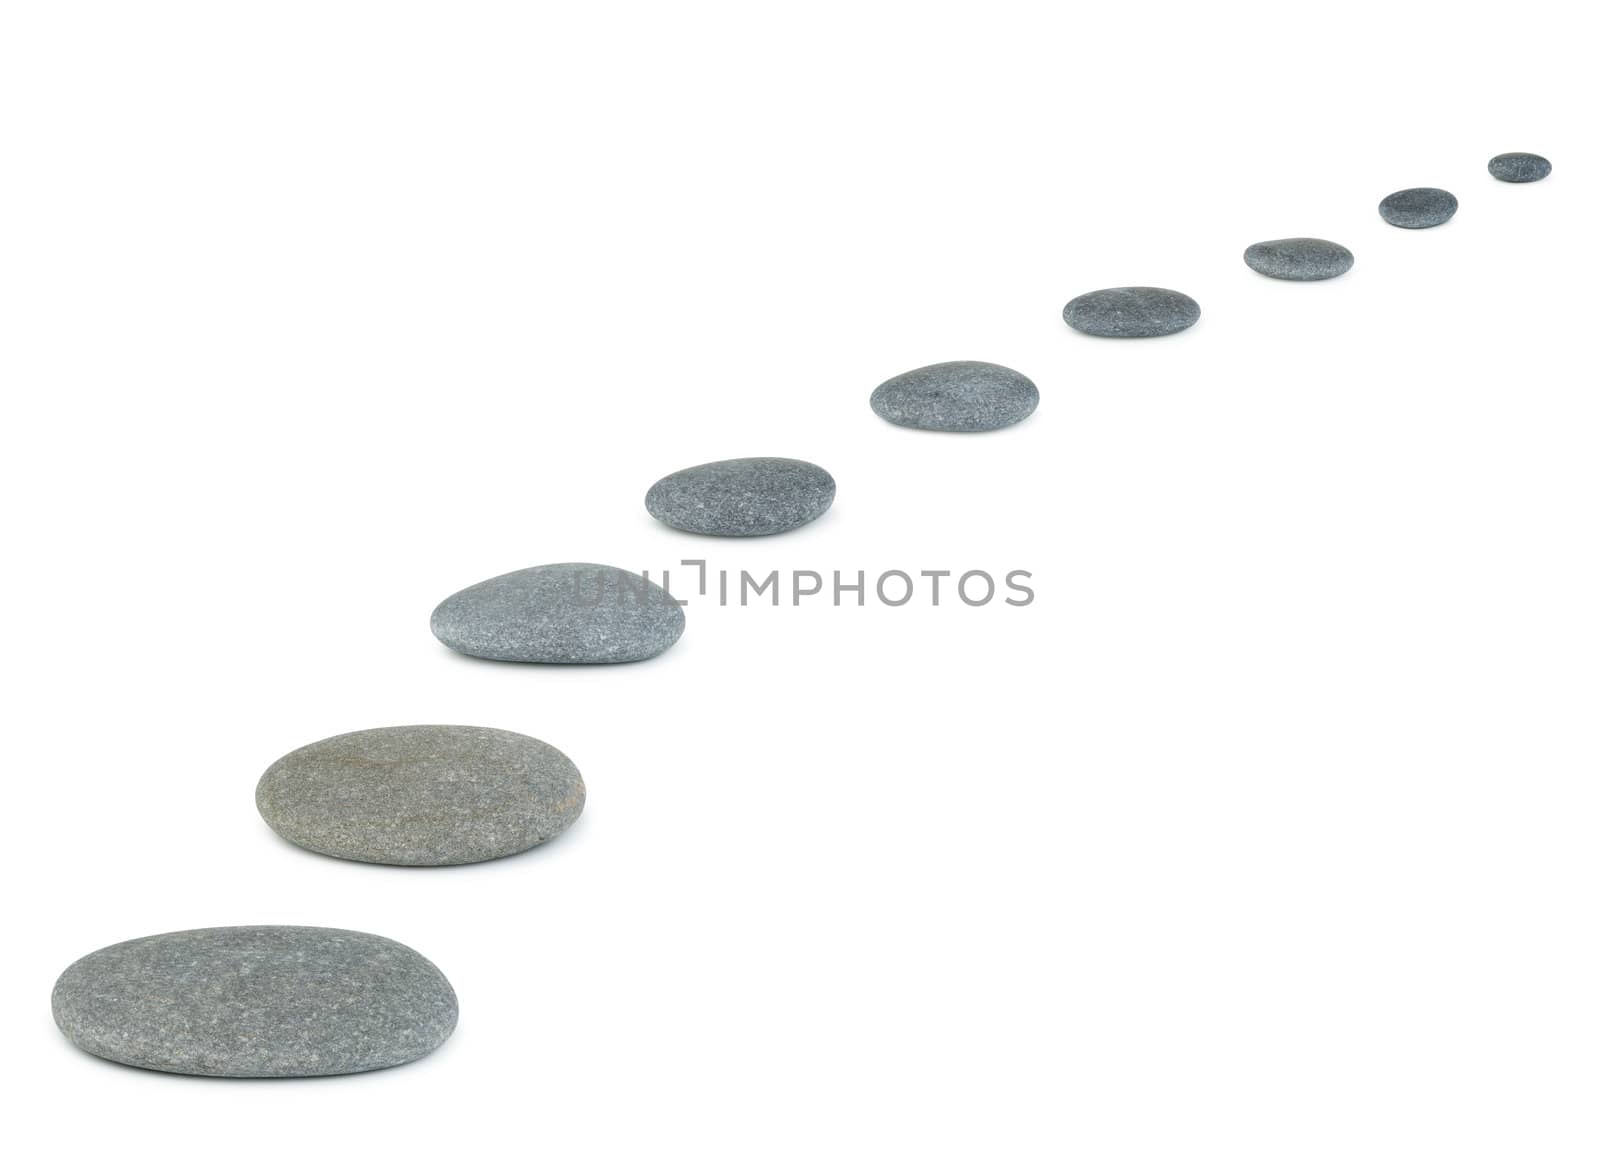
[[1299, 259], [283, 1001], [561, 613], [957, 397], [1131, 312], [421, 795], [742, 496], [260, 1002], [1421, 206], [1519, 167]]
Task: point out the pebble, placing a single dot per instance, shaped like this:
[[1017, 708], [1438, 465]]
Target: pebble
[[561, 613], [1421, 206], [1131, 312], [1299, 259], [256, 1002], [742, 496], [421, 795], [957, 397], [1519, 167]]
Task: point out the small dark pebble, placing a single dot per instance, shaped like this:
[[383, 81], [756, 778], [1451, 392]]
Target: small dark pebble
[[1131, 312], [742, 496], [1519, 167], [1299, 259], [1421, 206], [957, 397]]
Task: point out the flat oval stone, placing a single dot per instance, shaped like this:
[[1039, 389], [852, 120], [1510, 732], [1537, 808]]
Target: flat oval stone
[[258, 1002], [561, 613], [957, 397], [742, 496], [421, 795], [1131, 312], [1519, 167], [1299, 259], [1421, 206]]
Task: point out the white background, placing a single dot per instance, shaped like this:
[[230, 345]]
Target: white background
[[1266, 835]]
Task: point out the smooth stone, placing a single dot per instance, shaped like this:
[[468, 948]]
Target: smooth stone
[[1519, 167], [421, 795], [1131, 312], [957, 397], [256, 1002], [1299, 259], [562, 614], [1421, 206], [742, 496]]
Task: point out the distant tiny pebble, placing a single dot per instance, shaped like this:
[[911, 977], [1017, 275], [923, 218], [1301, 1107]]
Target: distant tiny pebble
[[1519, 167], [1299, 259], [1421, 206], [1131, 312]]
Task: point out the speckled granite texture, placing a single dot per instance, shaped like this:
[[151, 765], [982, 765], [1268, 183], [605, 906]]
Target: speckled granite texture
[[956, 396], [1418, 207], [421, 795], [561, 613], [1131, 312], [1299, 259], [256, 1002], [742, 496], [1519, 167]]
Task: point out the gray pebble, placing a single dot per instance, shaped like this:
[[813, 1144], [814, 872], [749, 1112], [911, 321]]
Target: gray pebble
[[742, 496], [1421, 206], [956, 396], [561, 613], [257, 1002], [1519, 167], [421, 795], [1131, 312], [1299, 259]]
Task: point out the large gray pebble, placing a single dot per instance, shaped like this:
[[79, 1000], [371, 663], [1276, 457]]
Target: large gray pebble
[[1418, 207], [1131, 312], [742, 496], [257, 1002], [956, 396], [1519, 167], [421, 795], [1299, 259], [561, 613]]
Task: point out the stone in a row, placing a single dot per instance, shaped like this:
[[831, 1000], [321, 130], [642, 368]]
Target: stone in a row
[[422, 795], [256, 1002]]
